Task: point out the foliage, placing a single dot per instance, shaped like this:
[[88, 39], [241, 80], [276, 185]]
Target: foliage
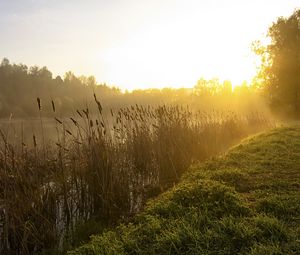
[[209, 213], [20, 85], [281, 64]]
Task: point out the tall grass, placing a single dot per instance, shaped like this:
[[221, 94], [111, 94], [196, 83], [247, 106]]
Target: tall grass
[[103, 167]]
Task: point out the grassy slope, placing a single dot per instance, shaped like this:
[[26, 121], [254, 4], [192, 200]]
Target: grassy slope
[[247, 202]]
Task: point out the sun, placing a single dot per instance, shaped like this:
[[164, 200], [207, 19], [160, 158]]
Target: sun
[[175, 51], [149, 62]]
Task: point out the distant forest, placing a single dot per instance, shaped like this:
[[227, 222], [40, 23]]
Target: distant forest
[[277, 85], [20, 86]]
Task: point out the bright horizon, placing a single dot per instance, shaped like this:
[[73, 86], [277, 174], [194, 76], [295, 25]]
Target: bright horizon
[[137, 43]]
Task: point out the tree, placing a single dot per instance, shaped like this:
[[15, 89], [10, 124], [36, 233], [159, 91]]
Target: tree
[[280, 64], [4, 62]]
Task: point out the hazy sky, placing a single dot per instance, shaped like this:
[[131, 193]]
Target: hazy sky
[[139, 43]]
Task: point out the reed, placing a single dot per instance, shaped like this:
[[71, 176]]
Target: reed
[[104, 166]]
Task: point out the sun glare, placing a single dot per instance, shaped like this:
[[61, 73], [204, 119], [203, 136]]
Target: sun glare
[[156, 66], [177, 52], [142, 44]]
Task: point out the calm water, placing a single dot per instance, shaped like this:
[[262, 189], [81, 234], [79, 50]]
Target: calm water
[[17, 131]]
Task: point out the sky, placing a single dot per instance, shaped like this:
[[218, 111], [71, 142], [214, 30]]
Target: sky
[[139, 43]]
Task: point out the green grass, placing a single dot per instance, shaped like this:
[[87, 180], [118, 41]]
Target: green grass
[[246, 202]]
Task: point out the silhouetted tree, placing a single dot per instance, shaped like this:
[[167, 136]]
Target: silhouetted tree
[[280, 68]]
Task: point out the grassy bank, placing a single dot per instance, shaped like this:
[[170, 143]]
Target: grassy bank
[[247, 202], [101, 168]]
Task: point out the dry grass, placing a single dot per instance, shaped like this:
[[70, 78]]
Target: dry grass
[[103, 167]]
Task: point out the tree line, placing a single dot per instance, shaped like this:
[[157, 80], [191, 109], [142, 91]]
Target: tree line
[[277, 84], [20, 86]]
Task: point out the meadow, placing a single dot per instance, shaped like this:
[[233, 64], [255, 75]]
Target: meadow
[[245, 202]]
